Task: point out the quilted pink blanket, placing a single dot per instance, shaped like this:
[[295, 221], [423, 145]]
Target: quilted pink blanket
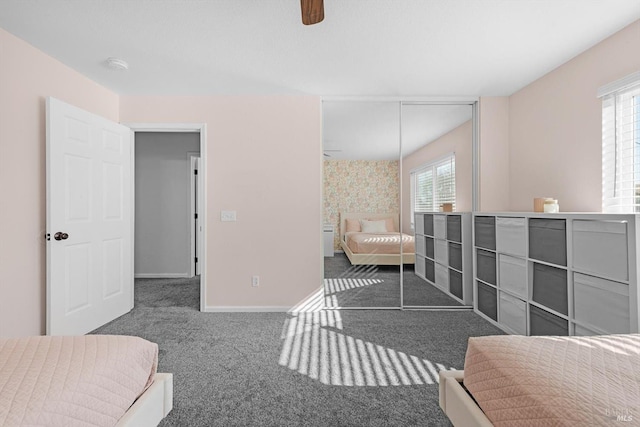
[[73, 381], [556, 381]]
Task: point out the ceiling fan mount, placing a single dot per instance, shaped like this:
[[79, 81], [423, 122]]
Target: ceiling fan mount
[[312, 11]]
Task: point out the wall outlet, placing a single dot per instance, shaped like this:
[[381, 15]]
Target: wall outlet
[[255, 281]]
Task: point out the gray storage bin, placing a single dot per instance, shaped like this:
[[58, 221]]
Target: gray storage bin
[[513, 314], [487, 300], [442, 277], [486, 266], [511, 236], [600, 248], [420, 245], [542, 322], [455, 283], [430, 270], [442, 252], [548, 240], [454, 228], [455, 256], [429, 247], [485, 232], [419, 268], [440, 226], [601, 303], [513, 275], [428, 224], [419, 223], [550, 287]]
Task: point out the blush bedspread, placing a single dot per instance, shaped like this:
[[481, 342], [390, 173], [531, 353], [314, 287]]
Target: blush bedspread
[[379, 243], [73, 381], [559, 381]]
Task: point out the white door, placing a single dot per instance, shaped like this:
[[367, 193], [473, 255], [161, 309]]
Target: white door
[[199, 224], [89, 220], [195, 215]]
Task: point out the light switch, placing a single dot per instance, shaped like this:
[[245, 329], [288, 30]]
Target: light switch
[[227, 215]]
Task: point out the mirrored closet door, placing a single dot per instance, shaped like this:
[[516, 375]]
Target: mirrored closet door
[[436, 193], [361, 202]]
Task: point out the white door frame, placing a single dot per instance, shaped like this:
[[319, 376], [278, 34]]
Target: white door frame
[[202, 172]]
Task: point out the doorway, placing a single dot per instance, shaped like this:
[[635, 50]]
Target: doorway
[[170, 209]]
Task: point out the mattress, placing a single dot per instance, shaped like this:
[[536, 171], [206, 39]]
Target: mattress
[[379, 243], [73, 381], [559, 381]]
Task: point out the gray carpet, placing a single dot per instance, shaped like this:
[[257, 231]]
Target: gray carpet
[[377, 286], [330, 368]]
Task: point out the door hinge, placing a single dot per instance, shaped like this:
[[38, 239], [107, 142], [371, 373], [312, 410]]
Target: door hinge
[[196, 259], [47, 236], [195, 215], [195, 171]]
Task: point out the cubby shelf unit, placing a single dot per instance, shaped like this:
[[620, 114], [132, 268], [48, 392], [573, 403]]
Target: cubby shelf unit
[[557, 274], [444, 252]]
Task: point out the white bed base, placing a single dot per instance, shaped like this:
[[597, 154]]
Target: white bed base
[[152, 406], [461, 409], [377, 259], [373, 259]]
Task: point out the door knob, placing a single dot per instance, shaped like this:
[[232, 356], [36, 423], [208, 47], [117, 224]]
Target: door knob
[[60, 236]]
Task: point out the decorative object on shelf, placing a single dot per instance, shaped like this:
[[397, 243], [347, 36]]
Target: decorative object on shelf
[[551, 206], [538, 204], [446, 207]]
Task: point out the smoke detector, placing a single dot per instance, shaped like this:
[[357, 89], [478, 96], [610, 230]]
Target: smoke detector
[[117, 64]]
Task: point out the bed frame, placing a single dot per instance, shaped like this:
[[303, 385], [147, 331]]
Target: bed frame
[[456, 402], [152, 406], [373, 259]]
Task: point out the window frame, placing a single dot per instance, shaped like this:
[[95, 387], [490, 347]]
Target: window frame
[[432, 165], [621, 145]]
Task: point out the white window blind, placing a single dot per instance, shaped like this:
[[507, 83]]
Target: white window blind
[[621, 146], [432, 185]]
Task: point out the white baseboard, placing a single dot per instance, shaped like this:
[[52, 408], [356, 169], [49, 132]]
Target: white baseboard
[[162, 276], [244, 309]]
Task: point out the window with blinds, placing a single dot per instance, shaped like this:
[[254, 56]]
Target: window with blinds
[[621, 145], [432, 185]]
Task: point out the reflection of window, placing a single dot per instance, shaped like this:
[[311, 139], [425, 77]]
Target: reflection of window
[[621, 145], [432, 185]]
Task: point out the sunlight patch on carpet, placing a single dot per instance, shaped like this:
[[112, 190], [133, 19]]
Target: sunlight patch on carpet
[[314, 346]]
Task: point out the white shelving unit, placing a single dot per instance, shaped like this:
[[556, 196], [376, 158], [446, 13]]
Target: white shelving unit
[[444, 252], [557, 274]]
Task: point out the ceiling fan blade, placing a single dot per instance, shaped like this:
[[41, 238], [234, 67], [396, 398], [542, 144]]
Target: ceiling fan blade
[[312, 11]]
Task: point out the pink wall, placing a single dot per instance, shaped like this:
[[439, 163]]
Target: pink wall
[[494, 153], [555, 140], [265, 162], [27, 77], [458, 141], [251, 144]]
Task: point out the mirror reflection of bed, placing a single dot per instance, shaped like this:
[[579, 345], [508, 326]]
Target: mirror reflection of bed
[[366, 183], [361, 174]]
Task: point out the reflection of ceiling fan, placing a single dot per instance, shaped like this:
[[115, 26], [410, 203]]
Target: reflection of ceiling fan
[[312, 11], [326, 152]]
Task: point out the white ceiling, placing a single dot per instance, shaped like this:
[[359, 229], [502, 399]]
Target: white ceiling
[[371, 130], [362, 48]]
